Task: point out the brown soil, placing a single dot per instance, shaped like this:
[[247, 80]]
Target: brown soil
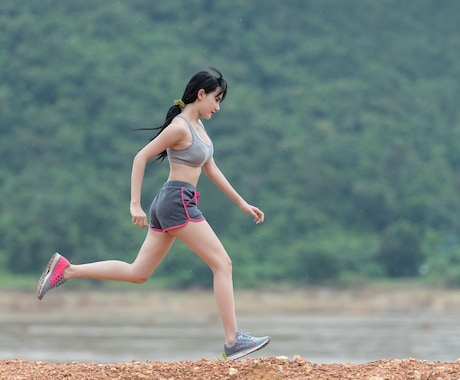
[[247, 369]]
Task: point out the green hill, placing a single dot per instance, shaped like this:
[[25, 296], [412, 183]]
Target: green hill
[[341, 123]]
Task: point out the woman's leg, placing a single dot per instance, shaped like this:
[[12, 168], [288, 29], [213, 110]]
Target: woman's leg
[[152, 252], [201, 239]]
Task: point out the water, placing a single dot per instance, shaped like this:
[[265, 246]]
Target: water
[[317, 338]]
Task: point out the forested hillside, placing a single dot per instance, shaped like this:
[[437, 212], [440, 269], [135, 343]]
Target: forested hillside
[[342, 123]]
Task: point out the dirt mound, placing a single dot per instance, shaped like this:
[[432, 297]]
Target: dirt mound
[[247, 369]]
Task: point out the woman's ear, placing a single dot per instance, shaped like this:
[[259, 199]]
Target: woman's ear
[[201, 93]]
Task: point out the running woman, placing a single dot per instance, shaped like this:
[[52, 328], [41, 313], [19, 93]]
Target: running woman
[[174, 212]]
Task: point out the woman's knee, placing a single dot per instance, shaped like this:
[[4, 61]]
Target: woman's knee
[[223, 265], [138, 276], [138, 280]]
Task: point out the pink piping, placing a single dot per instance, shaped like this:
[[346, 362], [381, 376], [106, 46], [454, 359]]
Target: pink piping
[[196, 196]]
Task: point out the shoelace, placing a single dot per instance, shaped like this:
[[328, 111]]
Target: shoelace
[[244, 336]]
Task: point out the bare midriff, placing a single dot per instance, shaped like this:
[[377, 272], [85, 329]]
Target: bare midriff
[[180, 172]]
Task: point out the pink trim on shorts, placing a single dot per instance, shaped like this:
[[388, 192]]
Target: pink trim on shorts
[[185, 204]]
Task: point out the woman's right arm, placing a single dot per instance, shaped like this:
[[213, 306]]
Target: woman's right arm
[[138, 215], [170, 137]]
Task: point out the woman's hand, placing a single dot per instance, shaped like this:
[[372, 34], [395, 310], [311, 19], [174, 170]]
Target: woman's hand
[[138, 216], [257, 214], [218, 178]]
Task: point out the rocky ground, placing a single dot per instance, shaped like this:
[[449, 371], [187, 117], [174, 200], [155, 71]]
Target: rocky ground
[[247, 369]]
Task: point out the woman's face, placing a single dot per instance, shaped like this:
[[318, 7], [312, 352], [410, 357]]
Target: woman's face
[[210, 103]]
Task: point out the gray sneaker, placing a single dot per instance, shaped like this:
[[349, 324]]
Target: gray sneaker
[[244, 345]]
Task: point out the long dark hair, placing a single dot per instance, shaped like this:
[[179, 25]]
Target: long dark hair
[[201, 80]]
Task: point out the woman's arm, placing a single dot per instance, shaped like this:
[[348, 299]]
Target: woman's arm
[[218, 178], [170, 137], [138, 216]]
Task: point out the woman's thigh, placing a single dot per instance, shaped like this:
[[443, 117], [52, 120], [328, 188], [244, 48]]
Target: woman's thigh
[[155, 247], [201, 239]]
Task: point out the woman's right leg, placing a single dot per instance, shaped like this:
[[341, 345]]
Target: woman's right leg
[[200, 238], [152, 252]]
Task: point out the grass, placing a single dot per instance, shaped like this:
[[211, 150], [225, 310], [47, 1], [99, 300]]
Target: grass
[[17, 281], [372, 297]]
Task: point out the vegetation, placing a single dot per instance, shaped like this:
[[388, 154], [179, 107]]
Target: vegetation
[[342, 123]]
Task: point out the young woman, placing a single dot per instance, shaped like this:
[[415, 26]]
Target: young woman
[[174, 213]]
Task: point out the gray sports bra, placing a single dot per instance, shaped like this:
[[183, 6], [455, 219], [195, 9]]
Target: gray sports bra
[[196, 154]]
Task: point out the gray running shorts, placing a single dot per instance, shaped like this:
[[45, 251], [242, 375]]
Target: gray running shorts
[[175, 205]]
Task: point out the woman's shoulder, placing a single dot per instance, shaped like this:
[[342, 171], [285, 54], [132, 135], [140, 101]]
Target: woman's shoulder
[[178, 125], [175, 133]]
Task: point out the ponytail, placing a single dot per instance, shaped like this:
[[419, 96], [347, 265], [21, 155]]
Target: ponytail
[[201, 80]]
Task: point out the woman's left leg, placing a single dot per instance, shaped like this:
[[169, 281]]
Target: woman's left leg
[[152, 252], [155, 247], [201, 239]]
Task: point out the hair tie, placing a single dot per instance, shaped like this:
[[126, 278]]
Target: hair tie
[[180, 103]]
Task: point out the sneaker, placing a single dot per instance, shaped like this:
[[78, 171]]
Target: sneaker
[[244, 345], [53, 275]]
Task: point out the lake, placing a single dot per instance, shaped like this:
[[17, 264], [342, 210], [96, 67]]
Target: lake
[[317, 338]]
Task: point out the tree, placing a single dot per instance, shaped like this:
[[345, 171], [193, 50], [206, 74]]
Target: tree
[[400, 250]]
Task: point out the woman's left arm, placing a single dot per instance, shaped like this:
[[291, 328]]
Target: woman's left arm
[[218, 178]]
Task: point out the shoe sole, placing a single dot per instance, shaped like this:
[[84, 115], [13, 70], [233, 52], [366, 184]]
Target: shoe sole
[[46, 273], [240, 354]]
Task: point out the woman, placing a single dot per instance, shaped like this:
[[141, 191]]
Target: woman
[[174, 213]]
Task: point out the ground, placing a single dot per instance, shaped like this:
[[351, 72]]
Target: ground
[[346, 301], [247, 369]]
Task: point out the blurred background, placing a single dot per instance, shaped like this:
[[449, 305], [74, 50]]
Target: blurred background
[[341, 123]]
